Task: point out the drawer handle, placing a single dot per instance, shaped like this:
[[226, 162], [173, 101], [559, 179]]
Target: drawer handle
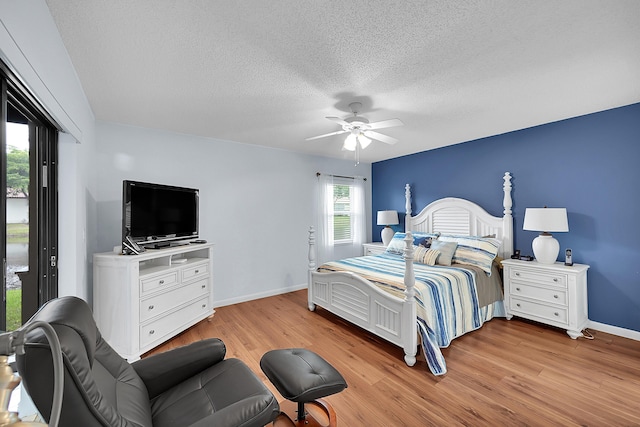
[[555, 296], [555, 279], [518, 289], [151, 307], [556, 314], [161, 282], [517, 274], [204, 305], [204, 286], [197, 271], [151, 332], [517, 305]]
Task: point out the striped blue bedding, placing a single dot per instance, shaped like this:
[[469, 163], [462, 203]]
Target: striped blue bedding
[[446, 298]]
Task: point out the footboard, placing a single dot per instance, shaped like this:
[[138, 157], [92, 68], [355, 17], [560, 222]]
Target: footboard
[[363, 304]]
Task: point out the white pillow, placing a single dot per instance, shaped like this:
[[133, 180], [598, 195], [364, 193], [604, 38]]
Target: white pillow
[[446, 251]]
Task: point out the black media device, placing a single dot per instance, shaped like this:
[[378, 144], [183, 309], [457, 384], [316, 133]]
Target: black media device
[[568, 257], [154, 215], [516, 254]]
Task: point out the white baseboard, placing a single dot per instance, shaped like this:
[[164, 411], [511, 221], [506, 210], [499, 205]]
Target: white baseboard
[[245, 298], [614, 330]]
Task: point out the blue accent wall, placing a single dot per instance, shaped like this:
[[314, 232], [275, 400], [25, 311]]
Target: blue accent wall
[[588, 164]]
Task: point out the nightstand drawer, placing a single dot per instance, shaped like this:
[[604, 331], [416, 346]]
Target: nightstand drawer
[[539, 278], [554, 296], [373, 248], [532, 309]]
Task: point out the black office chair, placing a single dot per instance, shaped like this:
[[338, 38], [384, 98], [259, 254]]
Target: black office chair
[[189, 386]]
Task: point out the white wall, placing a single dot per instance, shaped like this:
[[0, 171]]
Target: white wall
[[32, 48], [256, 203]]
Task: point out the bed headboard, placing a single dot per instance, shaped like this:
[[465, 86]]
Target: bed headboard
[[452, 215]]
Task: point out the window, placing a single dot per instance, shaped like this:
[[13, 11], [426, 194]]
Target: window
[[341, 219], [342, 213]]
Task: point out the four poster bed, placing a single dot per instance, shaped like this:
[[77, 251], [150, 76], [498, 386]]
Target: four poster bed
[[399, 299]]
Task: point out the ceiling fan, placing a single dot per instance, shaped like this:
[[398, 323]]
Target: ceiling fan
[[360, 130]]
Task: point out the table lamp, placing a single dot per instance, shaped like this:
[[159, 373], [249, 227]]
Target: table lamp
[[546, 220], [387, 218]]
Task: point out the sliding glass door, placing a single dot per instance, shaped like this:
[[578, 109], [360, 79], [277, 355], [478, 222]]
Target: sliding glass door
[[28, 206]]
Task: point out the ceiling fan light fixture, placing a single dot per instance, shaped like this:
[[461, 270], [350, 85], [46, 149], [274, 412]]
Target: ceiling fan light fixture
[[364, 141], [350, 142]]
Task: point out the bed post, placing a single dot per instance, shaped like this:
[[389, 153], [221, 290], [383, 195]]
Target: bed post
[[312, 267], [507, 225], [407, 207], [410, 326]]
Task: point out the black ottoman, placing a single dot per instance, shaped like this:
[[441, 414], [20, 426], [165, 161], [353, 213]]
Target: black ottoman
[[303, 377]]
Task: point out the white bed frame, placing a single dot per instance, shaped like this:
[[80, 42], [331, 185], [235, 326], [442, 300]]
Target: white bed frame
[[360, 302]]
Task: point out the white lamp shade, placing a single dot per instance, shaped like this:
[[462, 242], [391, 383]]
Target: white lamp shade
[[350, 142], [545, 246], [388, 218], [546, 220], [364, 141]]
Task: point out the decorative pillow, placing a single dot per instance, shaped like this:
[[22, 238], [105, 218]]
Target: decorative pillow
[[424, 241], [473, 250], [426, 256], [396, 246], [446, 250]]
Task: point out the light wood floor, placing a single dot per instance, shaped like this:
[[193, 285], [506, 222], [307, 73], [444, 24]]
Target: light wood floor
[[507, 373]]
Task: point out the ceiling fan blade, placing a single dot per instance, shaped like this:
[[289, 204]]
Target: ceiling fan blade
[[338, 120], [326, 134], [380, 137], [386, 124]]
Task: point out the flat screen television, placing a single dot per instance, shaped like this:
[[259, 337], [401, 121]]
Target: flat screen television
[[155, 213]]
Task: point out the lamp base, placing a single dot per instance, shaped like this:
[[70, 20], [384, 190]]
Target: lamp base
[[545, 248], [387, 234]]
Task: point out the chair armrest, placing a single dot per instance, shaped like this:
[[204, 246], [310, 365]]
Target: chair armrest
[[162, 371]]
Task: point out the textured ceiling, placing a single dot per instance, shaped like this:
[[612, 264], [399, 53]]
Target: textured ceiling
[[268, 72]]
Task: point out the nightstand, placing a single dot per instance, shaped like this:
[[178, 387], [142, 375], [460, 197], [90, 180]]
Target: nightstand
[[374, 248], [553, 294]]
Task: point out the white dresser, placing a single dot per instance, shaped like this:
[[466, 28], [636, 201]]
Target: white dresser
[[554, 294], [140, 301]]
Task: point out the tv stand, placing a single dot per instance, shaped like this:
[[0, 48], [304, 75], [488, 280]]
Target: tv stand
[[141, 301]]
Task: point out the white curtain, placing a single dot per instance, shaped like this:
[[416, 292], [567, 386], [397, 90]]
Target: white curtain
[[324, 241], [358, 214], [326, 249]]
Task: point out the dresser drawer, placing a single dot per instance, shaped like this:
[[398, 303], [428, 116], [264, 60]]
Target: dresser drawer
[[156, 330], [555, 296], [539, 278], [194, 272], [530, 309], [158, 304], [162, 281]]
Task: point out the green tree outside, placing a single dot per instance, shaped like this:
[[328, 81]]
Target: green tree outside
[[18, 170]]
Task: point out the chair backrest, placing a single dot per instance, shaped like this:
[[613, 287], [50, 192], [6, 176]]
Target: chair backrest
[[100, 387]]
